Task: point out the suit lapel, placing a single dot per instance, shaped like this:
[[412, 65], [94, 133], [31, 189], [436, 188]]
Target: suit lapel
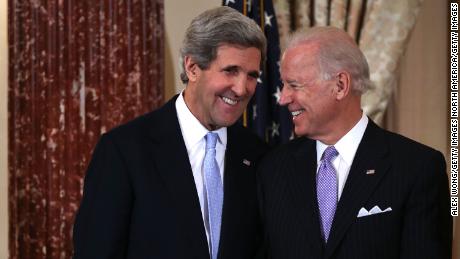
[[172, 164], [303, 186], [371, 154], [235, 175]]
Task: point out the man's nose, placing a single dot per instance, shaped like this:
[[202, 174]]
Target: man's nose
[[240, 86], [285, 98]]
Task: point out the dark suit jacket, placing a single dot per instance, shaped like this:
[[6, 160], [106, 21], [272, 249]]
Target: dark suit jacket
[[409, 177], [140, 199]]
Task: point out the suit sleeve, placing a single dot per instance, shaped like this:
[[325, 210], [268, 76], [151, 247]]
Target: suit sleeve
[[427, 224], [102, 222]]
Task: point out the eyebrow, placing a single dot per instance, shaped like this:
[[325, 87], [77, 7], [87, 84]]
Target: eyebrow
[[292, 82], [254, 73], [230, 67]]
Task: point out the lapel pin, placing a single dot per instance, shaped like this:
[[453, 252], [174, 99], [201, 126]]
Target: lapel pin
[[246, 162], [370, 171]]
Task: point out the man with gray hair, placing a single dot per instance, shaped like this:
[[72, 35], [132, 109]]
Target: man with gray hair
[[347, 188], [180, 182]]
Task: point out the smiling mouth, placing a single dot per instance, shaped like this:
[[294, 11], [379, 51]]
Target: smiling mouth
[[229, 101], [297, 113]]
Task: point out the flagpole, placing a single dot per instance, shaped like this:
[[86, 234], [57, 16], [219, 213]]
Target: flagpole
[[245, 113]]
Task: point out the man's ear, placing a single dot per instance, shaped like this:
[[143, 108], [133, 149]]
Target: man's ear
[[191, 68], [343, 84]]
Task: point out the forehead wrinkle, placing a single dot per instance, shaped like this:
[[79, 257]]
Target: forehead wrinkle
[[239, 56], [238, 67]]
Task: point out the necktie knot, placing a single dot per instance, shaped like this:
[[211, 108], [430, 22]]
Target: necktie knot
[[329, 154], [211, 139]]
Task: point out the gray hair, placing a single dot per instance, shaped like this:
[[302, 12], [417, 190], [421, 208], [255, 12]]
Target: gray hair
[[337, 51], [215, 27]]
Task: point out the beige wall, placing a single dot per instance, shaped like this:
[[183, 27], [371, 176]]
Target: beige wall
[[178, 15], [3, 130]]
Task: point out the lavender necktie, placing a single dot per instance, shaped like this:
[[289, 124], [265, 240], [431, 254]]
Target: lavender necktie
[[326, 187], [214, 192]]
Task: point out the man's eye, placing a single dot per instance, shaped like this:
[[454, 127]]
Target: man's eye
[[231, 71], [293, 86], [254, 75]]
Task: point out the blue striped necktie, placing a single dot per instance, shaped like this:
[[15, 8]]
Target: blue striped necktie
[[214, 192]]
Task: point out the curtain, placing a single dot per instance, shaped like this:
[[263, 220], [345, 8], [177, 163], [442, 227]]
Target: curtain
[[76, 69], [380, 27]]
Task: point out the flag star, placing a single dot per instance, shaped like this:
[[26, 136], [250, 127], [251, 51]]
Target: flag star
[[268, 19], [229, 1], [275, 129], [277, 95], [254, 112], [249, 3], [259, 79]]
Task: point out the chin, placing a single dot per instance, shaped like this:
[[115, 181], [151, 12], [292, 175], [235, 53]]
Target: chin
[[300, 133], [227, 123], [226, 120]]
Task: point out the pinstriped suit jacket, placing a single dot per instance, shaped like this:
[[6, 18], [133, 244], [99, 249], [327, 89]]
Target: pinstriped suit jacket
[[409, 177]]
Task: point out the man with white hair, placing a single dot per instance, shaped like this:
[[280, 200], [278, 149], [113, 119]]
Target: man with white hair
[[347, 188]]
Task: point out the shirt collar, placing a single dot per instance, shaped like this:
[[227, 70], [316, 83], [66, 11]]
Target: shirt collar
[[192, 129], [348, 144]]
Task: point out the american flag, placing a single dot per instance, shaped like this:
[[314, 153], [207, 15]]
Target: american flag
[[264, 115]]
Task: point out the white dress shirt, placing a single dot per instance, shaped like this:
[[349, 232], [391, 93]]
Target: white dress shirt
[[194, 134], [346, 147]]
